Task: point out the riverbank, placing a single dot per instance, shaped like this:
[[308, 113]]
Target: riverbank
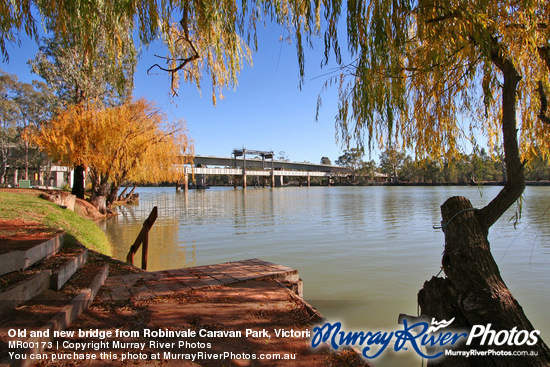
[[242, 313], [368, 184], [24, 216], [238, 314]]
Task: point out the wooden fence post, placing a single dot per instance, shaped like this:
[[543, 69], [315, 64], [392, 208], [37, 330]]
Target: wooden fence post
[[143, 237]]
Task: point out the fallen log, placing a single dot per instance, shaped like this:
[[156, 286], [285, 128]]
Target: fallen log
[[61, 198]]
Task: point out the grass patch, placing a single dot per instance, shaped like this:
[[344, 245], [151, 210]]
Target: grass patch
[[32, 208]]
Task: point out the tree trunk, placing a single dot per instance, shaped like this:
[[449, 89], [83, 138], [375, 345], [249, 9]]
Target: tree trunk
[[27, 160], [3, 163], [113, 195], [78, 182], [473, 291], [99, 202], [132, 198], [131, 191], [100, 191], [121, 196]]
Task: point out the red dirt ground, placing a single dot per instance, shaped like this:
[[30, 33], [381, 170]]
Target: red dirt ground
[[16, 232], [254, 305], [22, 234]]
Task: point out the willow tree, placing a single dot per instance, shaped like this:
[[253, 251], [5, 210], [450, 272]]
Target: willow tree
[[423, 74], [426, 73], [214, 39], [203, 38], [144, 149], [81, 73]]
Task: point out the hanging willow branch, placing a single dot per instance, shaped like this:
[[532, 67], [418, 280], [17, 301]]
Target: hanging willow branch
[[181, 61]]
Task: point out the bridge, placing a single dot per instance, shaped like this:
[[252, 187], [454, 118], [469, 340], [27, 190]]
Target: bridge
[[258, 163]]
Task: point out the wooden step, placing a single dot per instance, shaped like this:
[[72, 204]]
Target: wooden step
[[20, 259], [68, 268], [142, 286], [49, 312], [24, 290], [20, 286]]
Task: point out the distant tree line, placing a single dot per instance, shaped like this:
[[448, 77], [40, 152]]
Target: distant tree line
[[397, 166]]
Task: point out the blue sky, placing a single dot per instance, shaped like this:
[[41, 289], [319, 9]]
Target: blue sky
[[267, 111]]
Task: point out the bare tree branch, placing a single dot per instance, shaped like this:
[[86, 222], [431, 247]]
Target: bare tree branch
[[515, 176], [183, 61]]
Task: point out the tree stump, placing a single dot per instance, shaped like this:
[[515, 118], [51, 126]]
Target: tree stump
[[100, 202], [473, 291]]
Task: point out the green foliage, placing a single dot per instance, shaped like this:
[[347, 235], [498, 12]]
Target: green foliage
[[422, 76], [352, 159], [32, 208], [391, 160], [70, 70], [419, 70], [367, 171], [538, 169], [22, 105], [8, 118], [80, 23], [463, 169]]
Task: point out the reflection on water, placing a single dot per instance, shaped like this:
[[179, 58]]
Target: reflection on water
[[363, 252]]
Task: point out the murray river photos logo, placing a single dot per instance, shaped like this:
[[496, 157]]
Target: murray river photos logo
[[421, 336]]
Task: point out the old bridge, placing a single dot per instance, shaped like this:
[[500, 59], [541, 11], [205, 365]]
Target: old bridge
[[244, 163]]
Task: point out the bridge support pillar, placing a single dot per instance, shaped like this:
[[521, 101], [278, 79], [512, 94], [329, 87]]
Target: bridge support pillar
[[185, 183], [244, 169], [308, 181], [200, 181], [272, 180], [282, 182]]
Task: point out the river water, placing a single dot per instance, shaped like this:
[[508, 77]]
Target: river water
[[363, 252]]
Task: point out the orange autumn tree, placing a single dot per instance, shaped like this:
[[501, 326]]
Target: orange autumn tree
[[132, 142]]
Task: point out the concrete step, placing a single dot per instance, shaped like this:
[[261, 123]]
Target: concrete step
[[22, 257], [20, 286], [49, 312]]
